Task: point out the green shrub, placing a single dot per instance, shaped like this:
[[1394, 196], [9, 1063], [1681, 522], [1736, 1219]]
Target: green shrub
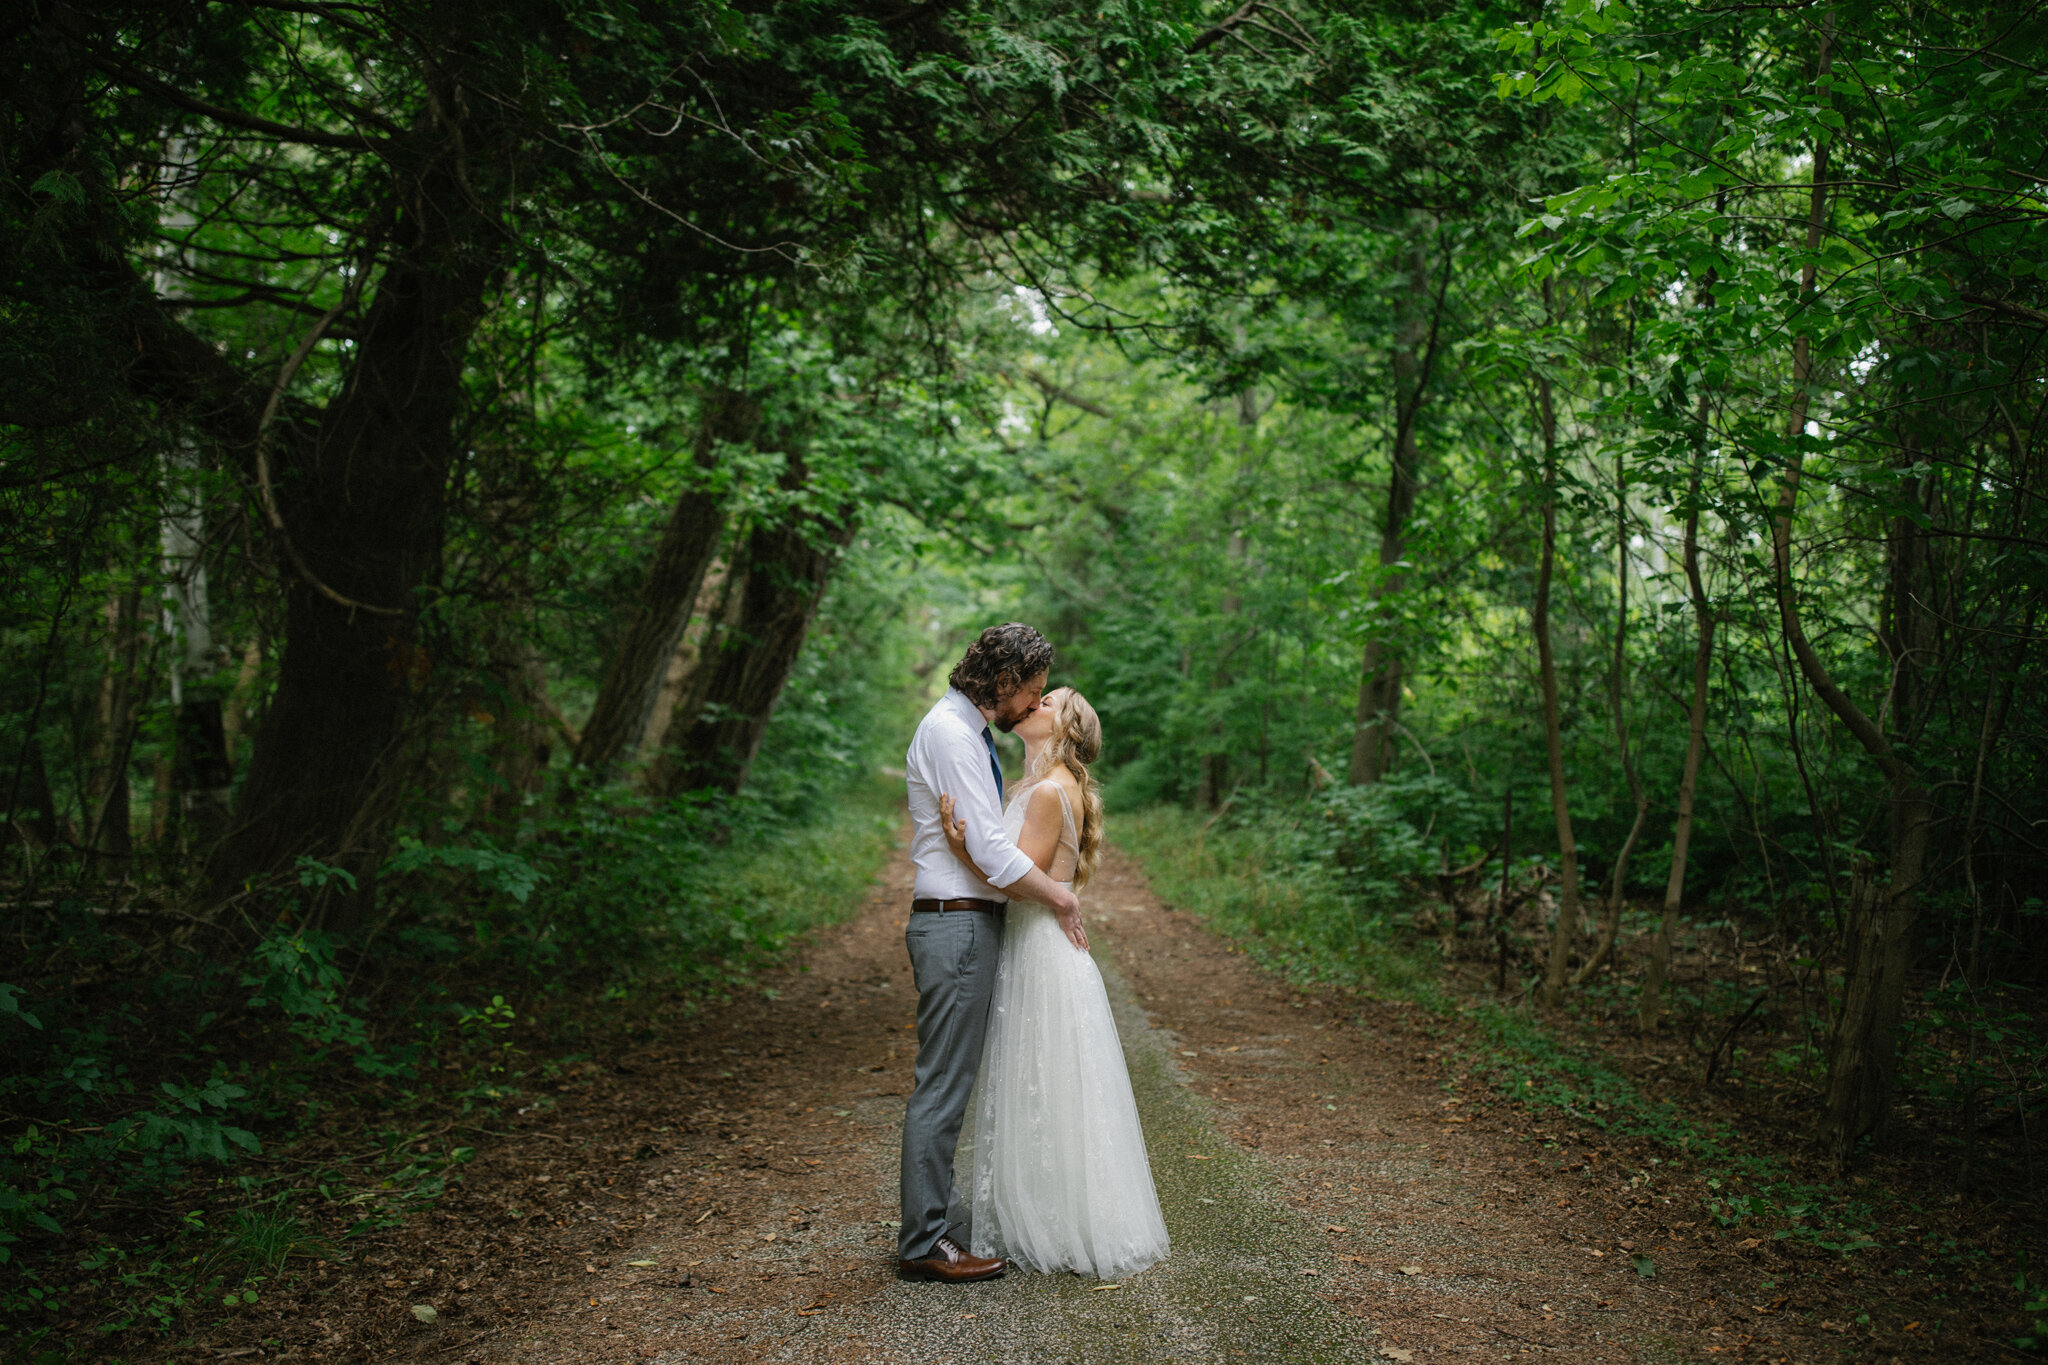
[[1258, 881]]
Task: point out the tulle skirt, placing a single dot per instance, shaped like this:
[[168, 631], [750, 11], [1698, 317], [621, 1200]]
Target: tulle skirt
[[1061, 1179]]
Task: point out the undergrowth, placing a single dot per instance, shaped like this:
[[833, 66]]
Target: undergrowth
[[183, 1126], [1316, 892]]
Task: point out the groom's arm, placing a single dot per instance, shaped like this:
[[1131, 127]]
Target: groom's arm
[[963, 772], [1035, 885]]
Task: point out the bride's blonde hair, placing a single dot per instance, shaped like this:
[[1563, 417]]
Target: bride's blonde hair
[[1076, 742]]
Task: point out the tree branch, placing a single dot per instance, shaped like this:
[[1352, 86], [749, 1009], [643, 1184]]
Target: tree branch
[[236, 118], [2005, 306]]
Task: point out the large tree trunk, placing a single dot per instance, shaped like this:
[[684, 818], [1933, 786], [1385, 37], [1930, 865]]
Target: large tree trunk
[[707, 619], [689, 541], [1863, 1052], [1380, 676], [364, 509], [1553, 737], [779, 579]]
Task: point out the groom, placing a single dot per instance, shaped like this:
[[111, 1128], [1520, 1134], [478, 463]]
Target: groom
[[956, 928]]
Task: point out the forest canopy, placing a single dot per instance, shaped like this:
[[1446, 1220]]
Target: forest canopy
[[465, 465]]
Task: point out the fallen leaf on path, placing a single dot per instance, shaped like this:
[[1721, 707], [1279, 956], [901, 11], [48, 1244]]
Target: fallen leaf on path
[[394, 1284], [1334, 1228], [1645, 1267], [424, 1312], [1411, 1270], [1750, 1242], [641, 1263], [590, 1270]]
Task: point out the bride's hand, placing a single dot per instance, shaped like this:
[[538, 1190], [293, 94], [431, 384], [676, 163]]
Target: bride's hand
[[954, 830]]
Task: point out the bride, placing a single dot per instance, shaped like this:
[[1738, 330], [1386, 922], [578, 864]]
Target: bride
[[1061, 1179]]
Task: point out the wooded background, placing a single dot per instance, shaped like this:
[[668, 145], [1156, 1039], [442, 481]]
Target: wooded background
[[1573, 481]]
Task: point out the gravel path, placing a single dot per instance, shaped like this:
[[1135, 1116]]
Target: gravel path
[[734, 1198]]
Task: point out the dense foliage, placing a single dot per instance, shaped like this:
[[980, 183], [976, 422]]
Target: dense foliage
[[472, 468]]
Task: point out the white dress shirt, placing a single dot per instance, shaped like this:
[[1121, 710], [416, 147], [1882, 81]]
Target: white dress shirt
[[947, 756]]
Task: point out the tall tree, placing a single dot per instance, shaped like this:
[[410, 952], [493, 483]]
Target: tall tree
[[1414, 364]]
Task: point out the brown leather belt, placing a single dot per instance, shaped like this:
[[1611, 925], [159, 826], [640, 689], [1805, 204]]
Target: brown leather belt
[[965, 903]]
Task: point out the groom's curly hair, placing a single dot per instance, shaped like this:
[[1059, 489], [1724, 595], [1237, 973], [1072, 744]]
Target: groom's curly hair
[[1000, 662]]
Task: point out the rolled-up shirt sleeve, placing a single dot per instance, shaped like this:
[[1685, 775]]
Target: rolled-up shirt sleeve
[[964, 773]]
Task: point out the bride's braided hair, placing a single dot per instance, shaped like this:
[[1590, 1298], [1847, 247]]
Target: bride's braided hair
[[1076, 742]]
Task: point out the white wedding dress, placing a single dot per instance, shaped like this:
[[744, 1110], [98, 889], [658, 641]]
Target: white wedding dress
[[1061, 1179]]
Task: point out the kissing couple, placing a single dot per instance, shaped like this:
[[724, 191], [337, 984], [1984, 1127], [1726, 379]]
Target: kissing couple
[[1007, 992]]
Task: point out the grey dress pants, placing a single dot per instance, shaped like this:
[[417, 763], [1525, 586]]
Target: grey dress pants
[[953, 954]]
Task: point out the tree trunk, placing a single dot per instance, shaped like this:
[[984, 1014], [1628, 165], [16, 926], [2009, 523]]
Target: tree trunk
[[1652, 1003], [522, 737], [1215, 784], [722, 619], [707, 617], [1546, 666], [32, 810], [234, 719], [1997, 700], [364, 507], [689, 541], [201, 773], [111, 831], [1610, 916], [1863, 1052], [1380, 676], [780, 579]]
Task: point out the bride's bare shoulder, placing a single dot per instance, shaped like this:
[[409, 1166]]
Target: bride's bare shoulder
[[1061, 780]]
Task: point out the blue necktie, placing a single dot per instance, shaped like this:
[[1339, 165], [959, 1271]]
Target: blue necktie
[[995, 765]]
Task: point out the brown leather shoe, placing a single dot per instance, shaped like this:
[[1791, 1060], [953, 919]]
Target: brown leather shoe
[[950, 1263]]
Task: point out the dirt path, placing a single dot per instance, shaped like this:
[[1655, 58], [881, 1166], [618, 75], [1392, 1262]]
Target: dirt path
[[727, 1192]]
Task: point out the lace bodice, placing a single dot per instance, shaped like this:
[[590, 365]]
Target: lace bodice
[[1067, 856]]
